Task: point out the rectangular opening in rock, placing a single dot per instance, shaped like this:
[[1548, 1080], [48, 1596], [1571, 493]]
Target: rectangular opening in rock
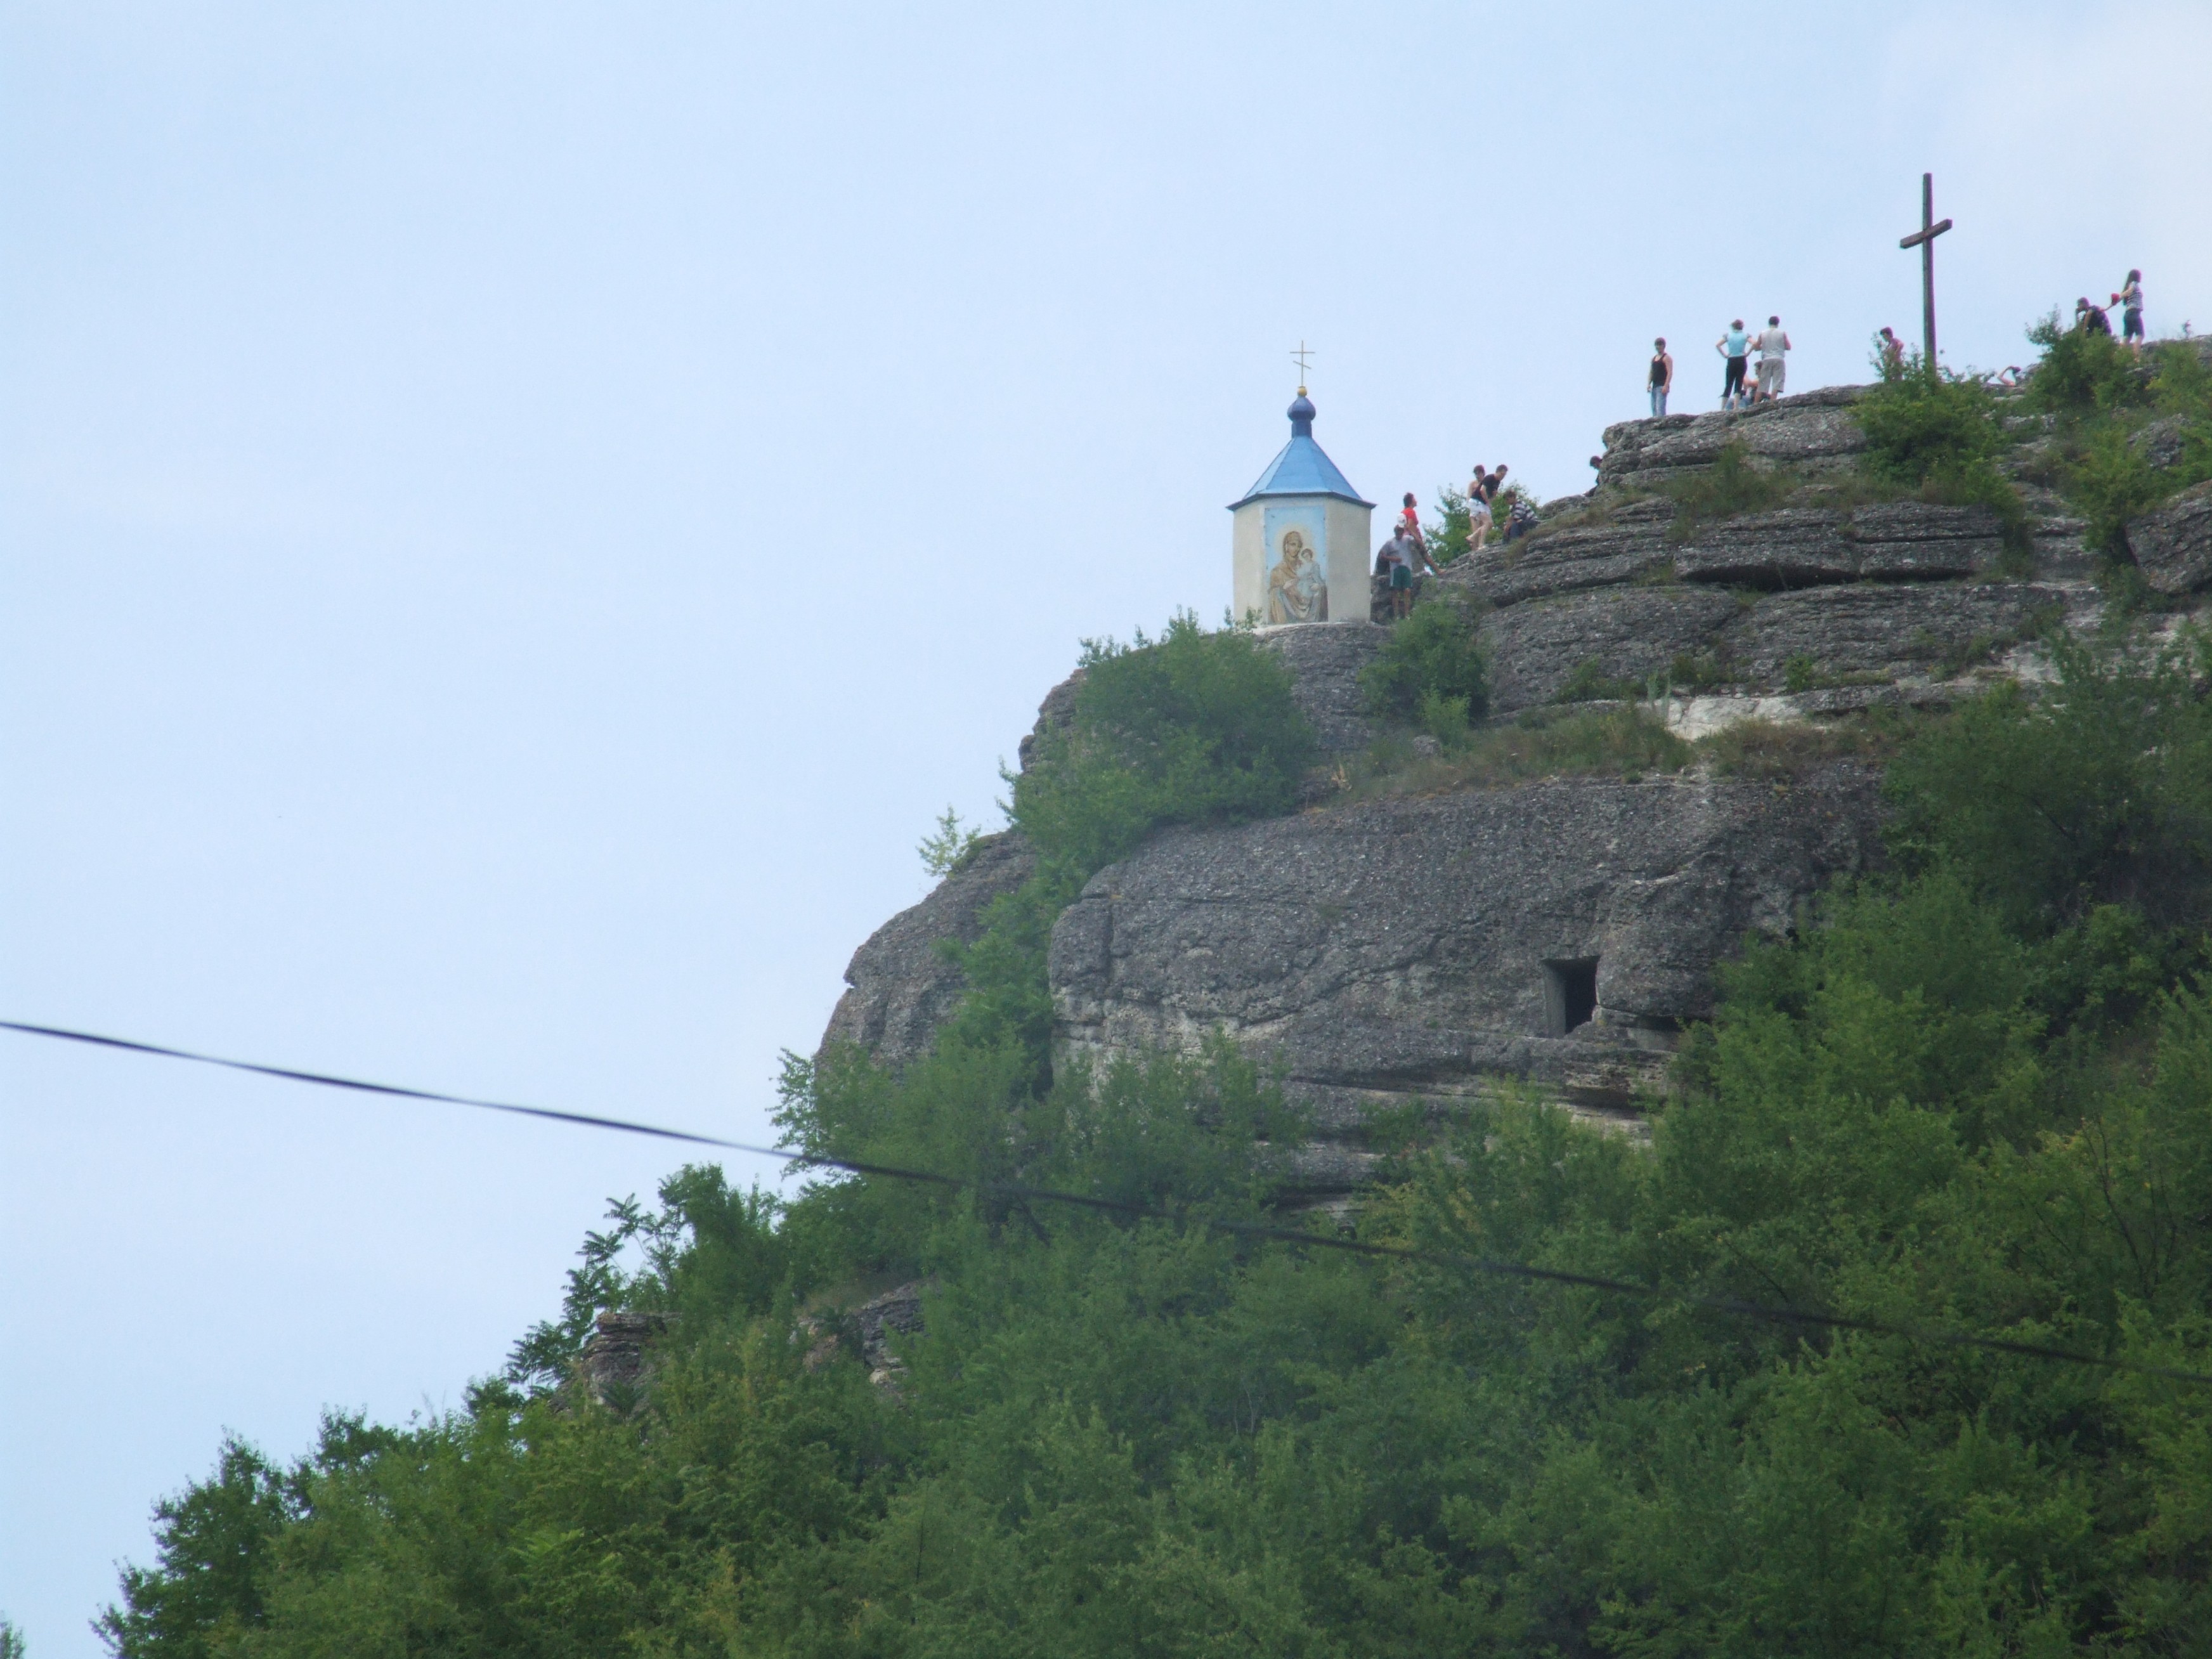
[[1569, 995]]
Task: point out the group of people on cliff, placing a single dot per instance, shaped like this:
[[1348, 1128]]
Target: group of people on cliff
[[1740, 388], [1405, 555]]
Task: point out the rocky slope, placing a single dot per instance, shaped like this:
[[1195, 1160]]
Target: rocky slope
[[1554, 934]]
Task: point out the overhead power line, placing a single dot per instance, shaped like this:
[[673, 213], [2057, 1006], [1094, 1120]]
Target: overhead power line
[[1935, 1336]]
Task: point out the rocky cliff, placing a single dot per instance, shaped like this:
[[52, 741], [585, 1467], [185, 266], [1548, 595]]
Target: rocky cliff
[[1559, 933]]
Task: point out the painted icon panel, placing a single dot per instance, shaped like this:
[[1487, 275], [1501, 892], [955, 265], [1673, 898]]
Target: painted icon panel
[[1296, 586]]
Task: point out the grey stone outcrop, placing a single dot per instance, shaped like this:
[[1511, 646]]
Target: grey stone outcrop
[[1399, 948], [1631, 634], [899, 987], [2172, 544], [1325, 665], [1796, 547], [616, 1360], [1812, 430]]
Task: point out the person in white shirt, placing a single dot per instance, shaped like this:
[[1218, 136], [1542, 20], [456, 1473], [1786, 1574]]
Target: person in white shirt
[[1773, 343]]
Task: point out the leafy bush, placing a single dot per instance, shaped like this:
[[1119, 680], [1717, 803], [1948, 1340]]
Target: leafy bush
[[1922, 428], [2100, 791], [949, 845], [1589, 683], [1436, 652], [1194, 727], [2111, 482], [2081, 373], [1449, 532]]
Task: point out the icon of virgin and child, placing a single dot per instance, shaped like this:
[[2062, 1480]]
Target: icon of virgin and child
[[1297, 592]]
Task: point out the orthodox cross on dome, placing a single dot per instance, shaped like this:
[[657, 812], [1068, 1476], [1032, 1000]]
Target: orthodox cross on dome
[[1299, 357], [1924, 240]]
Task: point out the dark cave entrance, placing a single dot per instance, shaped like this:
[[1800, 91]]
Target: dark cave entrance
[[1569, 995]]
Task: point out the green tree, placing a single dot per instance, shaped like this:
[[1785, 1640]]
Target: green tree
[[212, 1546]]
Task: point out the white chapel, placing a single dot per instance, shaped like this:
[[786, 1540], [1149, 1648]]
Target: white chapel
[[1298, 540]]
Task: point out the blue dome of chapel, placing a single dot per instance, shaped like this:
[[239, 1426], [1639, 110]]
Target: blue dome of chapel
[[1301, 468]]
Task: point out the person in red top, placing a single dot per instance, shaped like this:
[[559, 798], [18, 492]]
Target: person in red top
[[1410, 516]]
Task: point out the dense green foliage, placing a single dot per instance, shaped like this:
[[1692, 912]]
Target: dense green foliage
[[1450, 534], [2100, 396], [1977, 1095], [1196, 727], [1940, 435], [1921, 428], [1431, 668]]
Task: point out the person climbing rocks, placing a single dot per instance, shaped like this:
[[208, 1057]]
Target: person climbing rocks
[[2092, 320], [1735, 346], [1479, 495], [1892, 354], [1662, 380], [2129, 297], [1773, 346]]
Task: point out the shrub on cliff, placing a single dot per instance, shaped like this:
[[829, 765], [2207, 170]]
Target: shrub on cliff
[[2082, 373], [1434, 656], [1194, 727], [2097, 792], [2101, 395], [1922, 428]]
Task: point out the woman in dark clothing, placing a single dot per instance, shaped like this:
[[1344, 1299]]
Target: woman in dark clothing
[[1662, 375]]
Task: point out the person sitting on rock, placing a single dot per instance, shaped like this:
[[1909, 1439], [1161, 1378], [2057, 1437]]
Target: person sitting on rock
[[1523, 519]]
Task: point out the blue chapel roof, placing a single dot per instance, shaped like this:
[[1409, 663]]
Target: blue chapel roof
[[1301, 468]]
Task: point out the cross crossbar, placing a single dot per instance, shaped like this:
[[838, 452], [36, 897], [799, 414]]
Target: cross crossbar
[[1927, 235]]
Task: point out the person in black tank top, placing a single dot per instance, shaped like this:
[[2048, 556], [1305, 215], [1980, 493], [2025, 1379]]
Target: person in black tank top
[[1662, 376]]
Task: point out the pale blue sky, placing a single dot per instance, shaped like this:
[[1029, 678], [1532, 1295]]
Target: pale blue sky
[[516, 517]]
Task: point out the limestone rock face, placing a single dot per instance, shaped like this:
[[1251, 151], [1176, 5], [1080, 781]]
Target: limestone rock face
[[2173, 544], [1325, 662], [1631, 633], [899, 988], [1400, 947], [1893, 631], [1812, 430]]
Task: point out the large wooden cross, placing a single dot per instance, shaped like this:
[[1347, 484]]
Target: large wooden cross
[[1924, 240]]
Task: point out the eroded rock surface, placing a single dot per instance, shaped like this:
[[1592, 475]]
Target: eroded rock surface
[[899, 986], [2172, 544], [1406, 947], [1813, 430]]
